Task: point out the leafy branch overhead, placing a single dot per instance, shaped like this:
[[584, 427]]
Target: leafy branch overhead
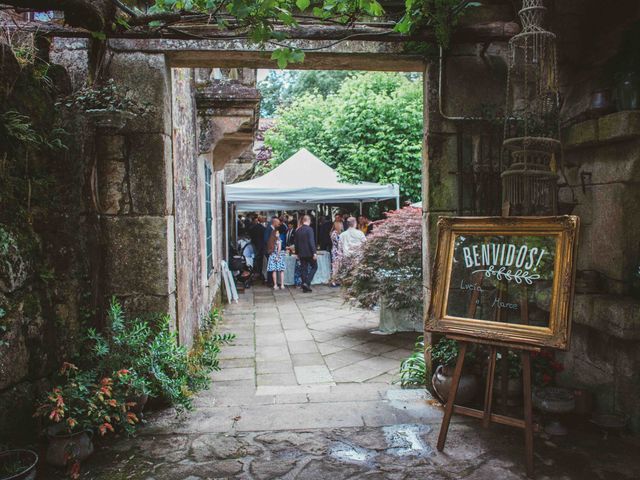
[[262, 22]]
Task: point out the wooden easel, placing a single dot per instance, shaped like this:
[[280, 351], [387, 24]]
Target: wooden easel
[[486, 414]]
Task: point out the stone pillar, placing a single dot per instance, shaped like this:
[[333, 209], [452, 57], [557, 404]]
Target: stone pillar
[[444, 137], [135, 188]]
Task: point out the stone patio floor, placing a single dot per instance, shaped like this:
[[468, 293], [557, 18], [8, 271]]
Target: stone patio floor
[[306, 392]]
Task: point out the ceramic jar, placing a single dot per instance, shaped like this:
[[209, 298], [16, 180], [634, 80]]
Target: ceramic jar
[[467, 388], [63, 447]]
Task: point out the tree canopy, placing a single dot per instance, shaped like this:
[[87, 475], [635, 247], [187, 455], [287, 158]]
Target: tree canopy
[[369, 130], [282, 87]]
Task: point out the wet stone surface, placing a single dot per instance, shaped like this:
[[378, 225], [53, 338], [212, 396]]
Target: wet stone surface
[[402, 452], [268, 417]]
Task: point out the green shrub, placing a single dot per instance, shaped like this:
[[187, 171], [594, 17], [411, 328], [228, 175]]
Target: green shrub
[[388, 267], [164, 369]]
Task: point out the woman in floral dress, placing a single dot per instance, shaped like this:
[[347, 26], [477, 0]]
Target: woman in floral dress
[[336, 255], [276, 259]]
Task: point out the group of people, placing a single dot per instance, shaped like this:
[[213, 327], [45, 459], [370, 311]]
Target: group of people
[[340, 236], [270, 241]]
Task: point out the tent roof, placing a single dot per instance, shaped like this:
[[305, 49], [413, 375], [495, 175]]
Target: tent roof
[[301, 180]]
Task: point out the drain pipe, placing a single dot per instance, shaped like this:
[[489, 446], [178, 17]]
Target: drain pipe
[[440, 99]]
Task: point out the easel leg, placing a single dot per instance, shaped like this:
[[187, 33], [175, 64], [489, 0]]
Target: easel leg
[[448, 411], [488, 392], [504, 379], [528, 415]]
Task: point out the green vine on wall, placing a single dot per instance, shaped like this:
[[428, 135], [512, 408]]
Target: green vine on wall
[[262, 22], [260, 19]]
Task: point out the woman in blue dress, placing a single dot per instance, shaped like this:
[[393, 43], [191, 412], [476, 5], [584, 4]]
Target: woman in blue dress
[[275, 264]]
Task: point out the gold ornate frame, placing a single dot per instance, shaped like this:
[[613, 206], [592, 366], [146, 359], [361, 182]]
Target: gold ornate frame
[[557, 335]]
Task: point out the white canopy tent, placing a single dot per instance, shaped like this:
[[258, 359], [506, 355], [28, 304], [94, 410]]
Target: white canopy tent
[[302, 182], [303, 179]]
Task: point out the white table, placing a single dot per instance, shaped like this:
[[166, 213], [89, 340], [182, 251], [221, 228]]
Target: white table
[[323, 275]]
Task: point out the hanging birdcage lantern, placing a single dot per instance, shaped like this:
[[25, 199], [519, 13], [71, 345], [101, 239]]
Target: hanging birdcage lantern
[[531, 133]]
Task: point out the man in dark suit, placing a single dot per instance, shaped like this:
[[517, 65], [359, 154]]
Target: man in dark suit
[[305, 242], [324, 234]]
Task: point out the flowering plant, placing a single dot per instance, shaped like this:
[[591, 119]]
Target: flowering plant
[[388, 267], [544, 367], [86, 401]]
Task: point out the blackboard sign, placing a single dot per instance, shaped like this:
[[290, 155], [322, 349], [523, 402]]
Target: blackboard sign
[[508, 279]]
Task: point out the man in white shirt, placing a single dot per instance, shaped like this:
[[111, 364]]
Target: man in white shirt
[[351, 240]]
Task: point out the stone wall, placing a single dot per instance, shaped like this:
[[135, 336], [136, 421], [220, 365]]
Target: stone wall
[[44, 278], [189, 205], [602, 169]]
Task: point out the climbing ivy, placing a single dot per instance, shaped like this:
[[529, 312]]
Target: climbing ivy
[[259, 19]]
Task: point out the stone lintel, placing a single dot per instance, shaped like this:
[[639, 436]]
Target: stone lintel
[[233, 53]]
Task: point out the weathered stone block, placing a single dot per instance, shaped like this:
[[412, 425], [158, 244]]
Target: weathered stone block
[[610, 241], [16, 413], [73, 55], [443, 185], [613, 315], [619, 126], [149, 305], [460, 97], [581, 134], [146, 77], [150, 174], [139, 255]]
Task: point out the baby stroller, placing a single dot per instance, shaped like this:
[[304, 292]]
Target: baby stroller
[[241, 263]]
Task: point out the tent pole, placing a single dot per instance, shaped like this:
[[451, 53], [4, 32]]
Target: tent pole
[[235, 222], [360, 207], [398, 202], [226, 230]]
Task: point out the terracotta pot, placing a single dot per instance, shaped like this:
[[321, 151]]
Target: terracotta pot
[[63, 448], [467, 388], [26, 460]]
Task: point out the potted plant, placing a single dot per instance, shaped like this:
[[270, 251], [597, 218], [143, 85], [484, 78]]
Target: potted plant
[[387, 272], [81, 404], [443, 357], [106, 103], [413, 369], [18, 465]]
